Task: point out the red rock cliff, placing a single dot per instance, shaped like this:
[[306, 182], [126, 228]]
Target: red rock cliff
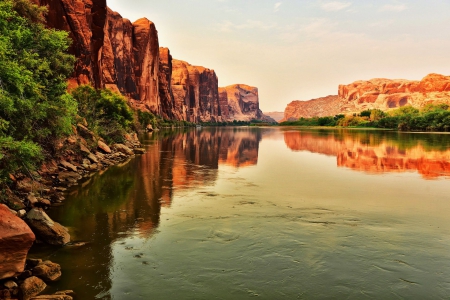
[[195, 92], [378, 93], [243, 102], [114, 53]]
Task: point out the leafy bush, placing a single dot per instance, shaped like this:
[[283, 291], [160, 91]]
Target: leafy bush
[[106, 112], [34, 106]]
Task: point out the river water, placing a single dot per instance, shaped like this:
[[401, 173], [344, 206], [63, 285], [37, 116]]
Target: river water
[[269, 213]]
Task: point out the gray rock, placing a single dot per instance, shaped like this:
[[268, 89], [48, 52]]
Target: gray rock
[[46, 229]]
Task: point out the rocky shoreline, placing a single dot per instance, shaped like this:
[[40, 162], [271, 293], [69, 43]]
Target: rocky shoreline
[[23, 220]]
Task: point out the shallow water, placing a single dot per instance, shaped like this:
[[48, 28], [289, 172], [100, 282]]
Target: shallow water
[[270, 213]]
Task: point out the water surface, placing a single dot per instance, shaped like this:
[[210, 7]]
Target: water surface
[[270, 213]]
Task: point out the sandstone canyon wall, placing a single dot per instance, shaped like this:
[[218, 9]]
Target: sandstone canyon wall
[[377, 93], [241, 102], [114, 53]]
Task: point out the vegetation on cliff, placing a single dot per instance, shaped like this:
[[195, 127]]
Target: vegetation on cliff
[[429, 118], [35, 108]]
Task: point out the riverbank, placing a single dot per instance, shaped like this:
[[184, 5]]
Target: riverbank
[[26, 199]]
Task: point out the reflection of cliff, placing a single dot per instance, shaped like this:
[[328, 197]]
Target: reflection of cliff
[[373, 152]]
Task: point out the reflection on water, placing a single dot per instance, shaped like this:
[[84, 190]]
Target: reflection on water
[[234, 213], [378, 151]]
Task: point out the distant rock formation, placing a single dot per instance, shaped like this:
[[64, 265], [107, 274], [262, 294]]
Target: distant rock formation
[[377, 93], [326, 106], [114, 53], [276, 115], [243, 102], [195, 92]]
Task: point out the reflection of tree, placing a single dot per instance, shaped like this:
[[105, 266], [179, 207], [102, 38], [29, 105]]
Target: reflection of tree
[[373, 151]]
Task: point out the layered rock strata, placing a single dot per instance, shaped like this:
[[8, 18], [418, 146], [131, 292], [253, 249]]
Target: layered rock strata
[[195, 92], [380, 93], [114, 53], [243, 102]]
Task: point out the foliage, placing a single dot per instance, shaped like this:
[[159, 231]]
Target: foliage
[[432, 117], [34, 106], [106, 112]]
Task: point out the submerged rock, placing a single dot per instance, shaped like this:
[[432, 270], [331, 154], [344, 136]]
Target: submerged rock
[[16, 239], [46, 229]]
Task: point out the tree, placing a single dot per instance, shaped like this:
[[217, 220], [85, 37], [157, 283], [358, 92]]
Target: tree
[[35, 108]]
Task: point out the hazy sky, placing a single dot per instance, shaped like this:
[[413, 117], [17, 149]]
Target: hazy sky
[[301, 49]]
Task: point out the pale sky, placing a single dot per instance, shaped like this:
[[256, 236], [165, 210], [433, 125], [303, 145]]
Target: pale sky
[[301, 49]]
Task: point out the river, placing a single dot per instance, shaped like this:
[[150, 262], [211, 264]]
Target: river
[[269, 213]]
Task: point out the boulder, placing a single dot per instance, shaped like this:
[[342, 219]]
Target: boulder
[[68, 166], [16, 238], [124, 149], [48, 271], [46, 229], [31, 287], [102, 146]]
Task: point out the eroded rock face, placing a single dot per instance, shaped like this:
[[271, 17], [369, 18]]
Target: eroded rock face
[[84, 20], [377, 93], [16, 238], [168, 110], [125, 57], [243, 102], [146, 64], [117, 59], [195, 92]]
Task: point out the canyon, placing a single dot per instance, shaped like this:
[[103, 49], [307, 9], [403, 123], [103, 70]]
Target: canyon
[[113, 52], [378, 93]]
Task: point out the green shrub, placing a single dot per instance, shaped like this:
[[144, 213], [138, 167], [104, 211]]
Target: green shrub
[[106, 112], [35, 108]]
